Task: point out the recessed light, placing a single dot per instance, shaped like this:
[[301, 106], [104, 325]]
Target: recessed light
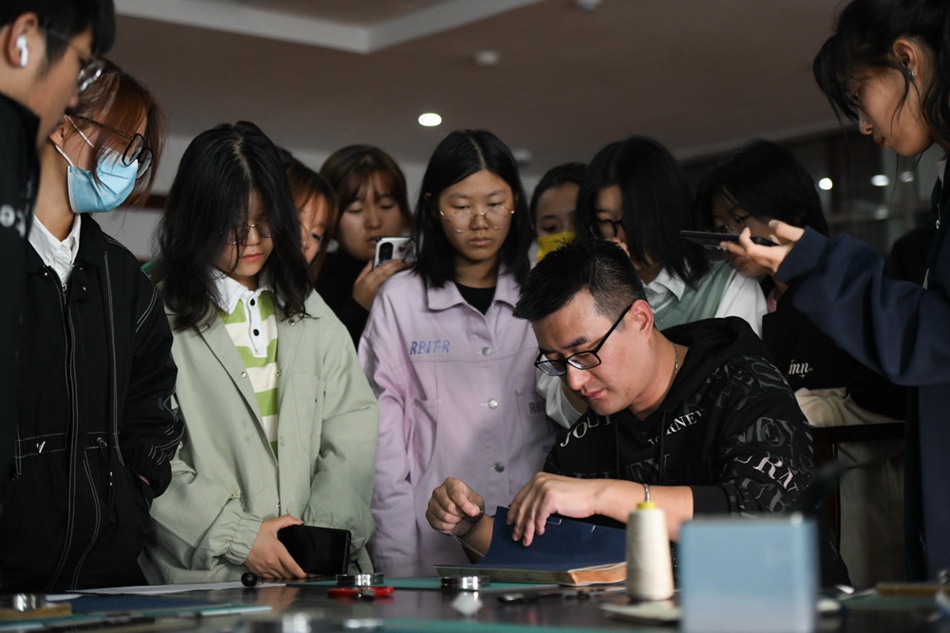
[[588, 5], [825, 184], [522, 155], [487, 58], [430, 119]]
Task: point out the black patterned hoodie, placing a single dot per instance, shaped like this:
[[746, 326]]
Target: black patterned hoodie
[[729, 428]]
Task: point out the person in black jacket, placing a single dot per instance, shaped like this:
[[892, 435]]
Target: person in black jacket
[[694, 418], [47, 50], [371, 197], [96, 432], [760, 182]]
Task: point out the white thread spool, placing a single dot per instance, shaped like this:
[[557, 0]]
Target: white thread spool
[[649, 567]]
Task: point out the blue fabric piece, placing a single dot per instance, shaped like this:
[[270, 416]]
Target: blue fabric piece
[[565, 544]]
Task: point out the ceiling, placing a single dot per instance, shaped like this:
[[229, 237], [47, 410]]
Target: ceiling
[[702, 76]]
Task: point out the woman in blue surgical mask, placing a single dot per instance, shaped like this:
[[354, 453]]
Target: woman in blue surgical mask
[[102, 154], [94, 373]]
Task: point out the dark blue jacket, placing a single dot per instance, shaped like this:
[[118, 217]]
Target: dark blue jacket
[[901, 330]]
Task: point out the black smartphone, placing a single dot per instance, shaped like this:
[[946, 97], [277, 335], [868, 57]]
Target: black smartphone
[[711, 239], [318, 550]]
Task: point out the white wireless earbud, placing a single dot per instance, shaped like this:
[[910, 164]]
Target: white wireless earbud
[[24, 51]]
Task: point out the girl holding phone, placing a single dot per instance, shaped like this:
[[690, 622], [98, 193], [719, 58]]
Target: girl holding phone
[[886, 67], [371, 193], [280, 425], [450, 364]]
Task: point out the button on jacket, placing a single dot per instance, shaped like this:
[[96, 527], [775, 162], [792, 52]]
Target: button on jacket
[[457, 398]]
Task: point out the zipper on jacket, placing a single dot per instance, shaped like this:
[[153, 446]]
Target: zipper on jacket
[[71, 391], [104, 449]]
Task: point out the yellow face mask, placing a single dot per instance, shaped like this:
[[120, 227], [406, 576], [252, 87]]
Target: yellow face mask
[[548, 243]]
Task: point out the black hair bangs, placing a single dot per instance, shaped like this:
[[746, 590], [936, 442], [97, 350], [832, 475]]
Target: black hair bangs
[[834, 71]]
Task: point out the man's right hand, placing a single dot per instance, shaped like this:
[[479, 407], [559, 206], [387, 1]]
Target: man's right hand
[[454, 508]]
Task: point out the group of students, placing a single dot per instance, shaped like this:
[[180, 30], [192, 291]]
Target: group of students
[[189, 421]]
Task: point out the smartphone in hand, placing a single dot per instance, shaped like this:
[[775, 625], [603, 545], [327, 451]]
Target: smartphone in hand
[[318, 550], [711, 239], [388, 248]]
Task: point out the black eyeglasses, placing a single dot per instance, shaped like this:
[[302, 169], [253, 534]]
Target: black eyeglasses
[[729, 226], [136, 150], [581, 360], [605, 228], [89, 68]]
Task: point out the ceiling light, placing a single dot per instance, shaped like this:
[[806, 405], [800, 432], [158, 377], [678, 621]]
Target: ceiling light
[[430, 119], [587, 5], [487, 58], [880, 180], [522, 155], [825, 184]]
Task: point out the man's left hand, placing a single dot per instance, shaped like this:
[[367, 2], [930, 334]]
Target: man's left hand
[[547, 494]]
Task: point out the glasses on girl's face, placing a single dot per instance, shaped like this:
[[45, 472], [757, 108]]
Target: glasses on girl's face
[[585, 360], [606, 228], [134, 151], [460, 218], [733, 224], [240, 233], [90, 68]]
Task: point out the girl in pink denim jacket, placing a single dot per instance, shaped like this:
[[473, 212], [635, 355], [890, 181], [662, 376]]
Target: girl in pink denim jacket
[[450, 365]]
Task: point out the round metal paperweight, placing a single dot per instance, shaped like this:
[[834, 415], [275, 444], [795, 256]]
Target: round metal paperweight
[[22, 601], [359, 580], [465, 583]]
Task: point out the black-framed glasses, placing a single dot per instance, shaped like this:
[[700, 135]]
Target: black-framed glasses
[[240, 233], [729, 226], [606, 228], [581, 360], [89, 68], [460, 219], [136, 150]]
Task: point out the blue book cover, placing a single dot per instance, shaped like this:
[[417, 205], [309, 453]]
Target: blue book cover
[[569, 552]]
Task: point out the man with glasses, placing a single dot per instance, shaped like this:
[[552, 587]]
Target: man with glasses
[[48, 54], [694, 418]]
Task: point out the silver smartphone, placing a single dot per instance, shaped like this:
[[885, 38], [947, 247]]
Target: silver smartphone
[[388, 248]]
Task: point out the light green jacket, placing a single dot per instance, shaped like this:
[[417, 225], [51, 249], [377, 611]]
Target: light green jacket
[[225, 477]]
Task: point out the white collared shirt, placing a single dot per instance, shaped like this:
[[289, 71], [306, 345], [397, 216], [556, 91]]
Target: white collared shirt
[[229, 293], [664, 285], [58, 255]]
